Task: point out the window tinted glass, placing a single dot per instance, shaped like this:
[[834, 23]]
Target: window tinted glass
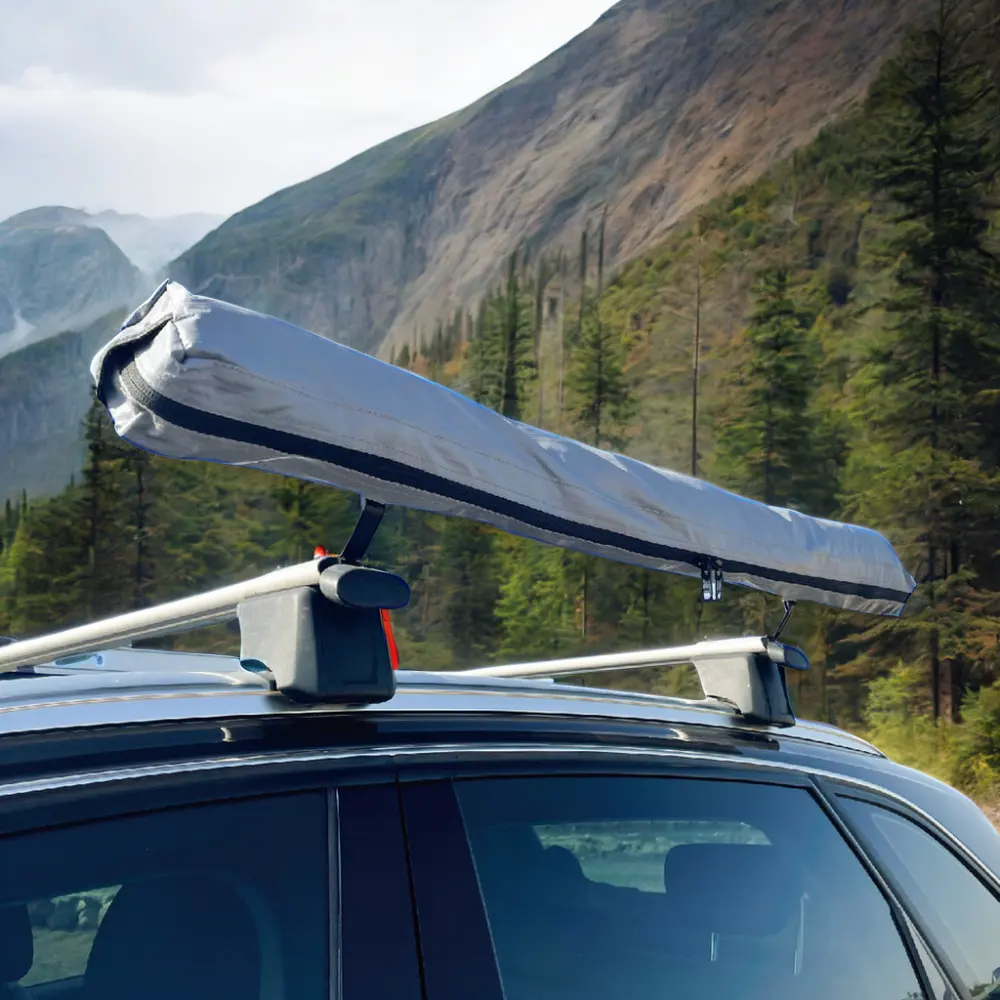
[[660, 888], [201, 903], [63, 929], [939, 988], [958, 909]]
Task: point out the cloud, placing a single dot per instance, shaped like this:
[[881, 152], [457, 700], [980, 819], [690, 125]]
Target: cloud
[[209, 105]]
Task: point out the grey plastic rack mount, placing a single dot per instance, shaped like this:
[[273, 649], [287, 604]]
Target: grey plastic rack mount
[[316, 628], [746, 673]]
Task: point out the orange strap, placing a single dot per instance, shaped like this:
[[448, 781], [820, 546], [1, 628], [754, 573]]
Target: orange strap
[[390, 639]]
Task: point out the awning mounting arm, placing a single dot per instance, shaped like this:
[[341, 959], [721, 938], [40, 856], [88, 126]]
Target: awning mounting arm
[[357, 545], [789, 608]]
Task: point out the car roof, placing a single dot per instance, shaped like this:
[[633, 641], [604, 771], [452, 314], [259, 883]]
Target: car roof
[[122, 686]]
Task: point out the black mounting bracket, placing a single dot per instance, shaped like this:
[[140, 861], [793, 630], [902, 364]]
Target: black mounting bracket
[[789, 608], [357, 545]]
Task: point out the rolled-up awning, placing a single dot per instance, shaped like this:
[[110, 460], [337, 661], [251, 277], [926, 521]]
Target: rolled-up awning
[[191, 377]]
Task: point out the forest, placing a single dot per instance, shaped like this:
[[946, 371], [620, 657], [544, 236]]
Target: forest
[[826, 339]]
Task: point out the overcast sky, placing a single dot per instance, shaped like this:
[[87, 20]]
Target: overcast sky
[[169, 106]]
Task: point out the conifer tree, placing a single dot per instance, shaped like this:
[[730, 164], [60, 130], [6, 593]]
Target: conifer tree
[[600, 394], [543, 275], [518, 345], [539, 588], [9, 525], [469, 578], [927, 395], [767, 438], [501, 361], [105, 513]]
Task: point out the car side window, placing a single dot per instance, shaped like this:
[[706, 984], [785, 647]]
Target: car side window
[[63, 929], [645, 887], [957, 908], [199, 902]]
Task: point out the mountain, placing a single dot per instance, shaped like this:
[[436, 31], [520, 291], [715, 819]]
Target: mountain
[[56, 274], [151, 243], [44, 394], [66, 280], [658, 107]]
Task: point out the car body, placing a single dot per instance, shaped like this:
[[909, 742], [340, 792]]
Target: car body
[[174, 826]]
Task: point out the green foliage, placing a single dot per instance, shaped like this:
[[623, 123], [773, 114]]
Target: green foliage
[[599, 392], [899, 727], [923, 394], [502, 356], [769, 438], [977, 744], [539, 600], [469, 576]]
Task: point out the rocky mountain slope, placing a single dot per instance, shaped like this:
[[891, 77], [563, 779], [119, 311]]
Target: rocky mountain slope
[[659, 106], [57, 275], [44, 394], [149, 243], [66, 280]]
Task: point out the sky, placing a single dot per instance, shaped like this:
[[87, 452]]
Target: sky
[[171, 106]]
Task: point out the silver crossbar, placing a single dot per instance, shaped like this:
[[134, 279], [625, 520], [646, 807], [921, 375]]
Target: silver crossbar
[[746, 673], [183, 615], [637, 660]]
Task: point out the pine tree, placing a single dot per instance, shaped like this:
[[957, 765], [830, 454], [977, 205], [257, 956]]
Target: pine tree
[[501, 359], [138, 465], [105, 513], [467, 572], [927, 393], [600, 394], [543, 275], [768, 437], [584, 262], [518, 345], [9, 525], [486, 356], [539, 593]]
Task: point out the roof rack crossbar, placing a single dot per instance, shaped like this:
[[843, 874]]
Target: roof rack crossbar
[[747, 673], [290, 621], [184, 615]]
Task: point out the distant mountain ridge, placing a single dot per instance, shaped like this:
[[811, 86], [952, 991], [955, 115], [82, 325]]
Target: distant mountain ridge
[[56, 276], [61, 268], [149, 243], [656, 108], [66, 281]]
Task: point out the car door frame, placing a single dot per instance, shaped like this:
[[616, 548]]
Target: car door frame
[[69, 799], [835, 788]]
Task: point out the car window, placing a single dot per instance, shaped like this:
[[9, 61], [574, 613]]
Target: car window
[[201, 902], [958, 909], [63, 929], [631, 853], [652, 887], [940, 990]]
